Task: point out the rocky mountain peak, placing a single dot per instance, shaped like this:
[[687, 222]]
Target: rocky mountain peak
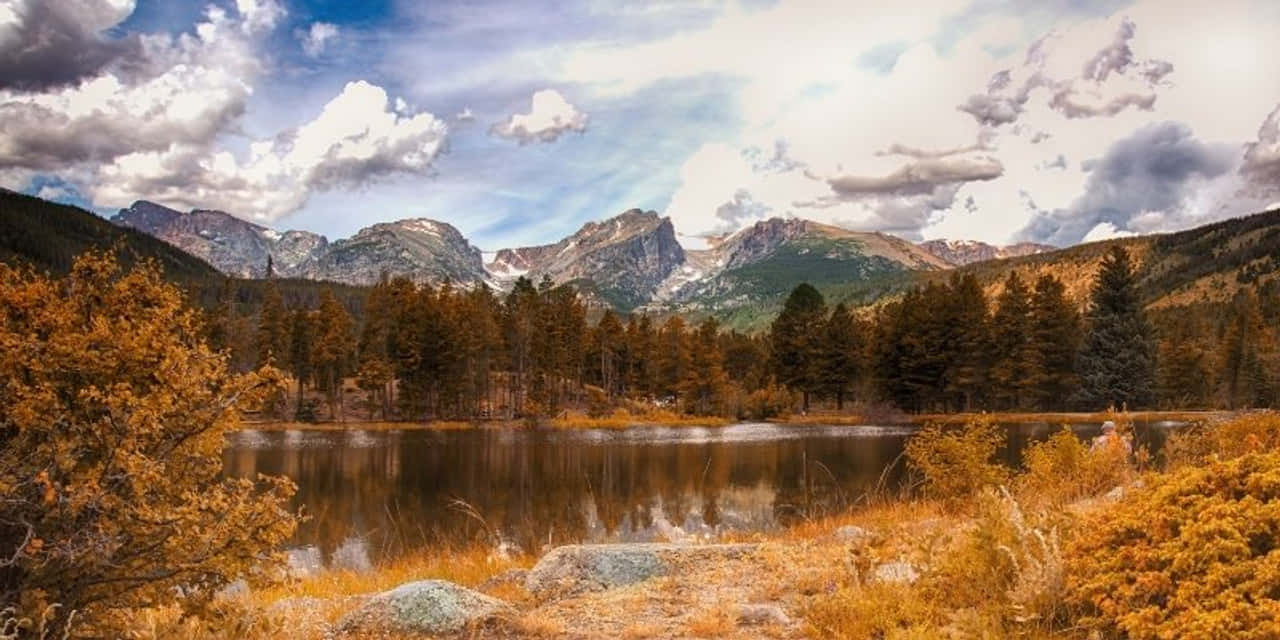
[[962, 252]]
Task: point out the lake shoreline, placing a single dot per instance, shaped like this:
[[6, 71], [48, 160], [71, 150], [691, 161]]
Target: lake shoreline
[[824, 420]]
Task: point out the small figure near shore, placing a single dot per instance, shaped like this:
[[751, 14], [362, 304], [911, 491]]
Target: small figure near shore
[[1110, 438]]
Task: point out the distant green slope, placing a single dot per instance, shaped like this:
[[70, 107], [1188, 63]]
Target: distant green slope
[[48, 236]]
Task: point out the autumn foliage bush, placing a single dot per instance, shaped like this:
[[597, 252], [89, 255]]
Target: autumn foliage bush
[[955, 464], [112, 414], [1196, 554], [1062, 469]]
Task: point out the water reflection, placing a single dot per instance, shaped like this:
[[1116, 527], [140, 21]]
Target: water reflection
[[371, 495]]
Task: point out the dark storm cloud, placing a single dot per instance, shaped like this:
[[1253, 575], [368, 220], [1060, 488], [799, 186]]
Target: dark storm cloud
[[920, 176], [54, 43], [1148, 175]]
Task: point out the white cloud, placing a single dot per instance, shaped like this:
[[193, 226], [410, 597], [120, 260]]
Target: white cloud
[[975, 142], [550, 116], [356, 139], [316, 39], [185, 89], [1105, 231]]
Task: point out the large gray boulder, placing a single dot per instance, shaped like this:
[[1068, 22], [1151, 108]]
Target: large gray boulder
[[576, 568], [434, 607]]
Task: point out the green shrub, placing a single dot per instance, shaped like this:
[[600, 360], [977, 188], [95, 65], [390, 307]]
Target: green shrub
[[1194, 555], [955, 464]]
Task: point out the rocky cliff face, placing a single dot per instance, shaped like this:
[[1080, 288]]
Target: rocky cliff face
[[962, 252], [420, 249], [234, 246], [620, 261], [423, 250]]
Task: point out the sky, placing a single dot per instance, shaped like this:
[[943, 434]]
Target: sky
[[1054, 121]]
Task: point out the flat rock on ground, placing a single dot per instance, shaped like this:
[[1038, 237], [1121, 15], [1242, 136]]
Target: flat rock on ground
[[577, 569], [433, 607]]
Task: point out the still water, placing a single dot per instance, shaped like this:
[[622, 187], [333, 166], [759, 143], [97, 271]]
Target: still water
[[372, 494]]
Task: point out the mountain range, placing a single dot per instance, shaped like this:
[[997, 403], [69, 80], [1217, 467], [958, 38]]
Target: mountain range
[[630, 261], [633, 261]]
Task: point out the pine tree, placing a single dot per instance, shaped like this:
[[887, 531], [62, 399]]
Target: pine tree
[[673, 358], [333, 353], [968, 342], [1012, 374], [1184, 379], [301, 341], [841, 346], [796, 340], [273, 328], [705, 384], [1117, 361], [1246, 347], [1055, 341]]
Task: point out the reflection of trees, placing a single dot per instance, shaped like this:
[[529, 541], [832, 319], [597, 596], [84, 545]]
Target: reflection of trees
[[533, 488]]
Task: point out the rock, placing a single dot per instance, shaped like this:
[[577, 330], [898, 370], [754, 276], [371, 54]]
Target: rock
[[850, 534], [430, 606], [510, 576], [1120, 491], [574, 569], [762, 614], [895, 573]]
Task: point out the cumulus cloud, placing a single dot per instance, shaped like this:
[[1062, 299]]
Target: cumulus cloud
[[1143, 183], [357, 138], [315, 39], [550, 116], [183, 90], [1110, 81], [47, 44], [1262, 156]]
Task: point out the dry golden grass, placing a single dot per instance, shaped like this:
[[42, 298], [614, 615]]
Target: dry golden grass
[[536, 624], [823, 419], [1071, 418], [642, 631], [622, 419], [713, 622], [353, 425]]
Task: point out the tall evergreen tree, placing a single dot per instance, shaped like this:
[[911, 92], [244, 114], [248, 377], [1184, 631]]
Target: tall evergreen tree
[[673, 357], [333, 353], [301, 342], [1055, 341], [796, 341], [1012, 374], [705, 384], [1246, 349], [273, 329], [967, 346], [1117, 361], [1184, 378], [842, 346]]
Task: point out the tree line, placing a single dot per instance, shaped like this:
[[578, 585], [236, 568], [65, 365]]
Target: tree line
[[443, 352]]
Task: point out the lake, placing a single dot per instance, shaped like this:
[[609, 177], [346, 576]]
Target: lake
[[371, 495]]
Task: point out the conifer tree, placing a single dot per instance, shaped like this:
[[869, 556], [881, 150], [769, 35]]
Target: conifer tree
[[273, 328], [796, 340], [705, 384], [967, 346], [1246, 347], [1012, 374], [673, 358], [301, 340], [334, 349], [1184, 379], [841, 346], [1055, 341], [1117, 361]]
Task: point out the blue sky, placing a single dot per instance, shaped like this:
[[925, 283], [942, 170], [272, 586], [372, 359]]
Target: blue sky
[[1000, 121]]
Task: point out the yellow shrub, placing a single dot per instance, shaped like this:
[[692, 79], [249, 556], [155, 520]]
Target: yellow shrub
[[1193, 555], [1246, 434], [1062, 469], [1007, 570], [874, 611], [957, 463]]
